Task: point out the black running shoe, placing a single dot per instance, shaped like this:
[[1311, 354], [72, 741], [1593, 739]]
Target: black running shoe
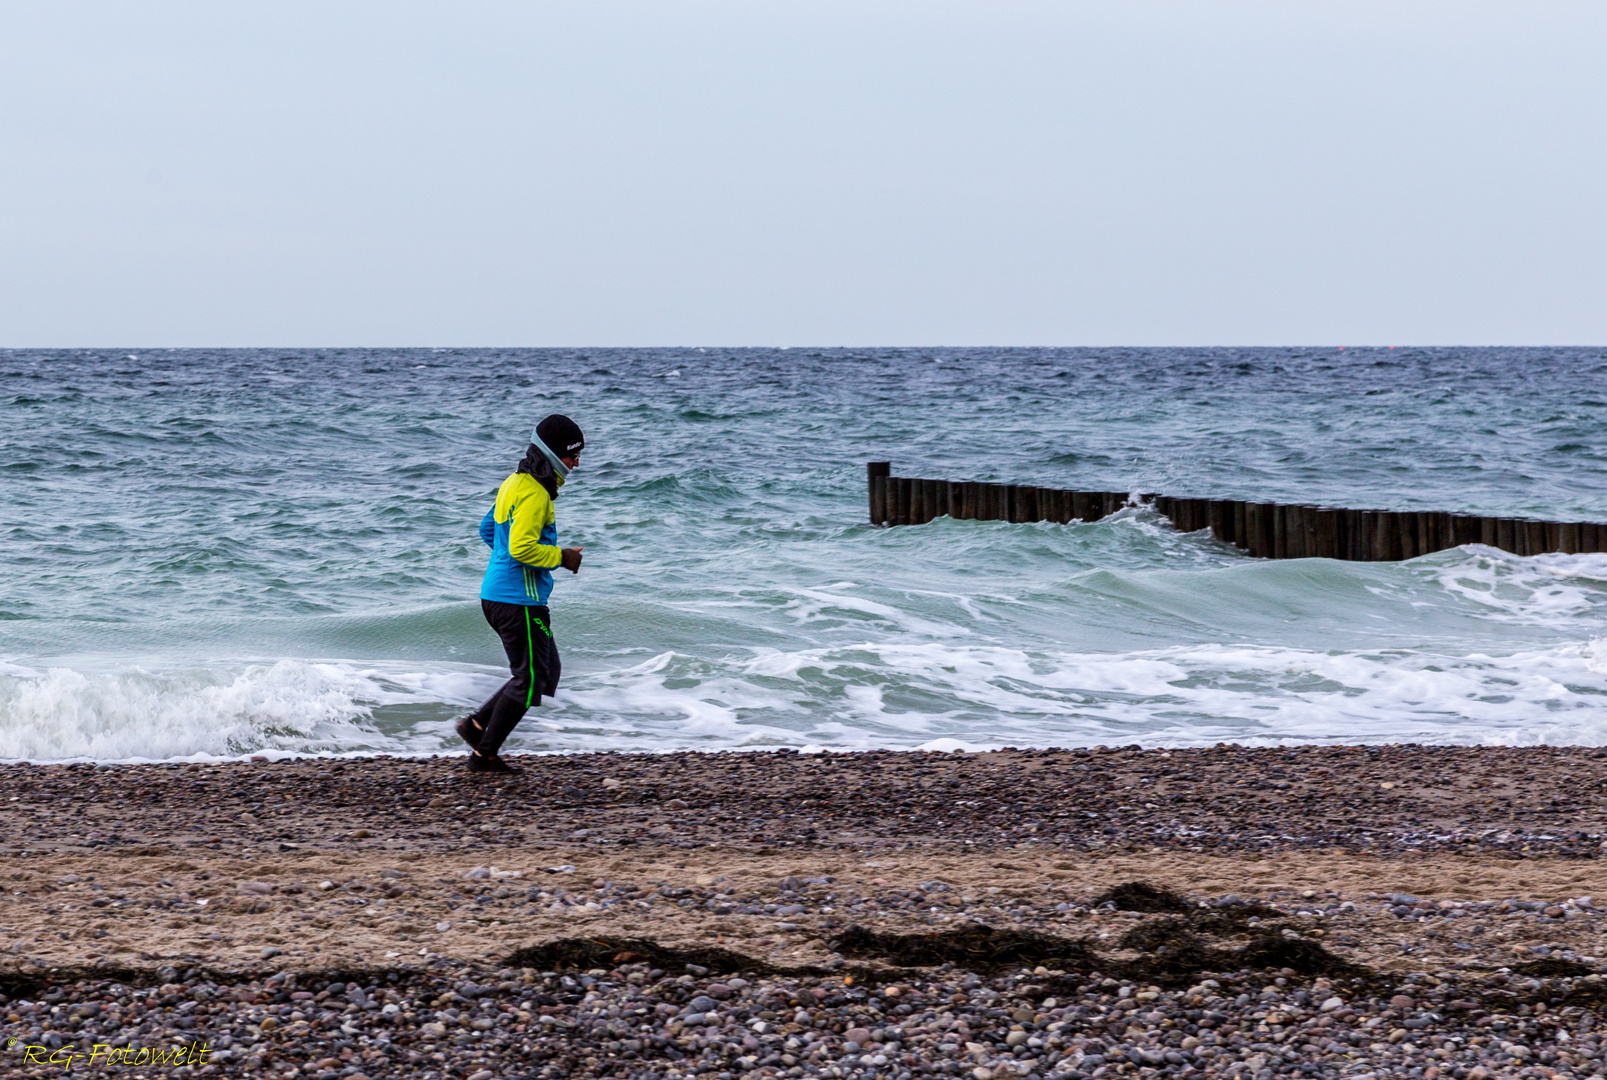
[[489, 764], [468, 732]]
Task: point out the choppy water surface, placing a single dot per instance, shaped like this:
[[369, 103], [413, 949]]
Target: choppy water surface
[[212, 553]]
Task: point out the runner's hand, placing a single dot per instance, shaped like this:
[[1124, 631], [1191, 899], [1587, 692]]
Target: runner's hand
[[569, 558]]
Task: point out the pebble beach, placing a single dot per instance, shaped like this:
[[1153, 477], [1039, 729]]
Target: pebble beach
[[1219, 912]]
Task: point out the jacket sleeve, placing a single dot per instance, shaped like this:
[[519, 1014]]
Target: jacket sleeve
[[488, 528], [524, 532]]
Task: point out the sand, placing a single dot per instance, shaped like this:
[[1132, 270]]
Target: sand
[[147, 866]]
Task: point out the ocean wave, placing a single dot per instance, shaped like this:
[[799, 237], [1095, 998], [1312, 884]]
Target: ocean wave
[[205, 712], [859, 696]]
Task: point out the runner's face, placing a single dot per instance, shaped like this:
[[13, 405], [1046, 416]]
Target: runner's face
[[572, 460]]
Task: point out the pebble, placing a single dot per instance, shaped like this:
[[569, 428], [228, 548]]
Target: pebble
[[465, 1020], [1193, 797]]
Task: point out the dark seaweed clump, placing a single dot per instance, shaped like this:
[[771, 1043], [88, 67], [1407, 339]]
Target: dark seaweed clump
[[1553, 967], [1142, 897], [974, 947], [608, 952]]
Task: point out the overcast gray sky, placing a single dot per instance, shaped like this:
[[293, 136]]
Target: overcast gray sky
[[777, 173]]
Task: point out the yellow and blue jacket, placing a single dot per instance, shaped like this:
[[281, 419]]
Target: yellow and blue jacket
[[522, 533]]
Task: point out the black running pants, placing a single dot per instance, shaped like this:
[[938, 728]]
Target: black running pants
[[526, 634]]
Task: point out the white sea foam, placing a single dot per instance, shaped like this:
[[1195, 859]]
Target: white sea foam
[[931, 694], [198, 711], [1534, 590], [911, 695]]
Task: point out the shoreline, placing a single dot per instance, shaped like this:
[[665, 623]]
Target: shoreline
[[1398, 864]]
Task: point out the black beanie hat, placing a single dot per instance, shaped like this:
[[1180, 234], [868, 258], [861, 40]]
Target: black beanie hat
[[561, 434]]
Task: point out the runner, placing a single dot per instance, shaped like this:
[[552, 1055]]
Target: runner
[[522, 532]]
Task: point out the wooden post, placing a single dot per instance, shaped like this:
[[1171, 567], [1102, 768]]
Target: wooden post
[[1241, 524], [1411, 534], [1294, 534], [1389, 546], [1421, 528], [1537, 538], [1430, 532], [1327, 534], [874, 470], [1366, 543]]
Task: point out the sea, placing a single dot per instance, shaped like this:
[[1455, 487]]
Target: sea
[[220, 553]]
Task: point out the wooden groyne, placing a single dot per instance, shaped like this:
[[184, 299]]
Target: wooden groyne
[[1266, 530]]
